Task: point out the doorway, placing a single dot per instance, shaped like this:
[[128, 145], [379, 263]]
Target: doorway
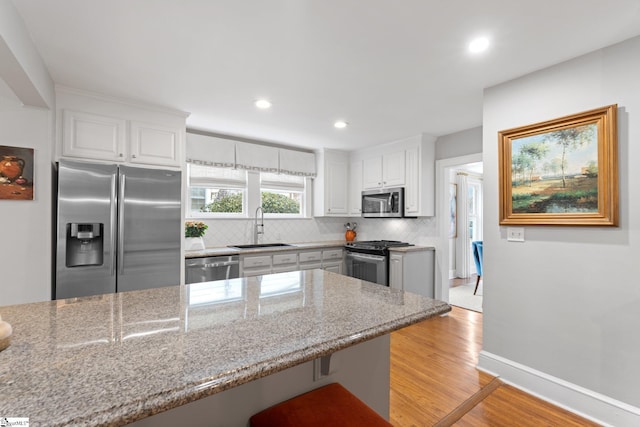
[[462, 177]]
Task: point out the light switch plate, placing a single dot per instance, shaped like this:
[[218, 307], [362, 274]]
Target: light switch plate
[[515, 234]]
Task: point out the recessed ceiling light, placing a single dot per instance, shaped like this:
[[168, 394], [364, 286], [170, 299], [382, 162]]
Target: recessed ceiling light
[[340, 124], [263, 104], [478, 45]]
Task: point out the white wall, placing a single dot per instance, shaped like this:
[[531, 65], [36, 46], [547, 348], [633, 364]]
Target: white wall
[[459, 144], [25, 252], [566, 302]]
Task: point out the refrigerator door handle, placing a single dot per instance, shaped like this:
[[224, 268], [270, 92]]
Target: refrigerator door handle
[[121, 222], [114, 217]]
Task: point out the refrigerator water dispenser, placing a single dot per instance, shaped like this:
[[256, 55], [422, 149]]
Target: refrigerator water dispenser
[[84, 244]]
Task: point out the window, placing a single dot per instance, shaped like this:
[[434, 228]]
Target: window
[[216, 191], [282, 194], [474, 199], [231, 193]]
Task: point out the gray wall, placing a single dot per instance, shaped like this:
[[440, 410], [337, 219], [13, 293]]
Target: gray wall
[[566, 302], [459, 144]]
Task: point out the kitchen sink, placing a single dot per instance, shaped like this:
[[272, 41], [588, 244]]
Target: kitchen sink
[[259, 245]]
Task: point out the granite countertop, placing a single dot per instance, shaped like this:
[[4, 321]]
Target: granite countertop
[[112, 359], [222, 250], [414, 248]]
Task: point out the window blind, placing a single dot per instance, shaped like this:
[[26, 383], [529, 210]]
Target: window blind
[[272, 181], [297, 163], [256, 157], [212, 177], [211, 151], [227, 153]]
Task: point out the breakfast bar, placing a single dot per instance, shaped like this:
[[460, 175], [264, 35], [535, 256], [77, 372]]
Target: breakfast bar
[[208, 353]]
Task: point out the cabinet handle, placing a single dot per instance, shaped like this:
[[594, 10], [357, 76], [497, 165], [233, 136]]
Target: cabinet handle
[[120, 155], [133, 156]]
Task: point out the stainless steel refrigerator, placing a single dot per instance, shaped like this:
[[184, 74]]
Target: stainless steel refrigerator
[[118, 229]]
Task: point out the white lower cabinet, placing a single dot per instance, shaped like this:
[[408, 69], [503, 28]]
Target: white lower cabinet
[[310, 260], [255, 265], [285, 262], [412, 272], [333, 260], [333, 267]]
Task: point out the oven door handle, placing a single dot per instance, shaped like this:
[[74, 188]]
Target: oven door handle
[[368, 257]]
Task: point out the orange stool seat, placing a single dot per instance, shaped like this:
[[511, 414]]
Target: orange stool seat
[[331, 405]]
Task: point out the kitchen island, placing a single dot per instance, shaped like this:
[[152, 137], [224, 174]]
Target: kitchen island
[[223, 349]]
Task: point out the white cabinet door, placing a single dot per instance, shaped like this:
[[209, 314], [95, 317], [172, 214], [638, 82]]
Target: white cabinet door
[[355, 188], [412, 183], [336, 187], [333, 260], [395, 271], [154, 144], [334, 267], [310, 257], [383, 171], [372, 173], [93, 136], [412, 272], [393, 169]]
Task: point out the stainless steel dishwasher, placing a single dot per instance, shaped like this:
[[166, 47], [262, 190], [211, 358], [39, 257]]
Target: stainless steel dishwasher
[[211, 268]]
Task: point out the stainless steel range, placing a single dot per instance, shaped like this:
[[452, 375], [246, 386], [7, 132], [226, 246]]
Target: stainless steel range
[[369, 260]]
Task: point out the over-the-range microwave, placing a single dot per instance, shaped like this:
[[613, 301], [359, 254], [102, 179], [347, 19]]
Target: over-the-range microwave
[[383, 203]]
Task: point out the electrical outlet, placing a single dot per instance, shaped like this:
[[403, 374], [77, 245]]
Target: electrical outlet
[[515, 234]]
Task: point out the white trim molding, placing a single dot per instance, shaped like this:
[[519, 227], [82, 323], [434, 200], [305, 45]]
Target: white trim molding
[[579, 400]]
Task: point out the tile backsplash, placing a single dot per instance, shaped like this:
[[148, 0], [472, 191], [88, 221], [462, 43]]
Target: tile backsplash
[[223, 232]]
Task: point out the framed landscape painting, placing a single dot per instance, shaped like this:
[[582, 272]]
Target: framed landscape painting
[[561, 172]]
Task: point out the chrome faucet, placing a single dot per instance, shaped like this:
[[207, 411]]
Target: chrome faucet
[[258, 228]]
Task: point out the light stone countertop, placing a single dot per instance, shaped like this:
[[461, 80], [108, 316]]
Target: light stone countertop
[[116, 358], [222, 250], [414, 248]]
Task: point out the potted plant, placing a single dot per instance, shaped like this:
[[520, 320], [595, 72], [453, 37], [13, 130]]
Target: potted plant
[[193, 232]]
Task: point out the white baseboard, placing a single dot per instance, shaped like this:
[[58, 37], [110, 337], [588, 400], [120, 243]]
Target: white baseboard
[[452, 274], [579, 400]]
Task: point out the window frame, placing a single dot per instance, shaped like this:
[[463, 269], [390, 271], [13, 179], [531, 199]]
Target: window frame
[[190, 214], [252, 198]]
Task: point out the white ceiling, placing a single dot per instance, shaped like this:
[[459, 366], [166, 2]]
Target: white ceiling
[[392, 69]]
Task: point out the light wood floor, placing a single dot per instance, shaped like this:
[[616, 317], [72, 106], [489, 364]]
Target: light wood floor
[[434, 381]]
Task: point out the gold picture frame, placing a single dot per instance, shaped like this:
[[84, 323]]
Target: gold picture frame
[[561, 172]]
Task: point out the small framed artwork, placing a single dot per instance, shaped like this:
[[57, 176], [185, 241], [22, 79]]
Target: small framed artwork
[[561, 172], [453, 211], [16, 173]]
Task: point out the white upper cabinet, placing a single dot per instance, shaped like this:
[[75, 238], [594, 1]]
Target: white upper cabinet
[[355, 188], [98, 127], [154, 144], [393, 169], [331, 185], [408, 163], [412, 188], [93, 136], [386, 170]]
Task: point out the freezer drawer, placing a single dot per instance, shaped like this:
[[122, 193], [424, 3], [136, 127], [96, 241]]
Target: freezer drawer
[[211, 268]]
